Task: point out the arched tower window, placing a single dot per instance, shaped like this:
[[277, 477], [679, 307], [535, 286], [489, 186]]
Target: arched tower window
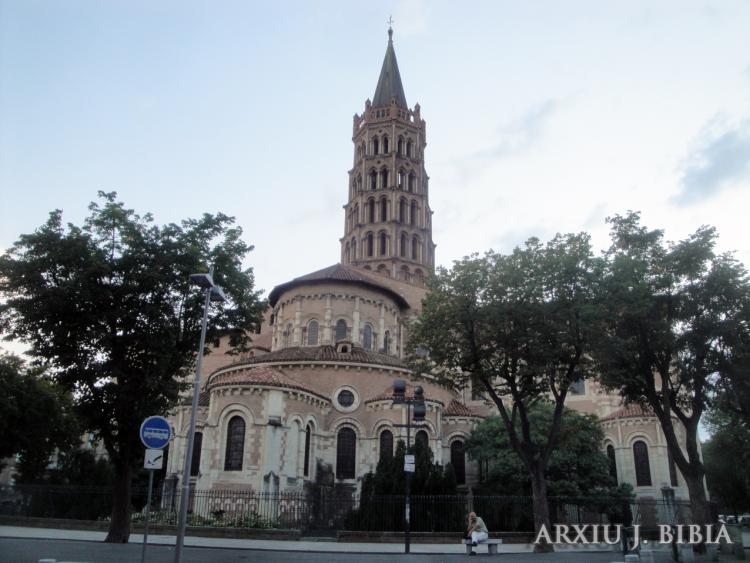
[[346, 454], [402, 249], [341, 330], [375, 145], [367, 337], [422, 438], [347, 253], [386, 444], [373, 180], [414, 248], [354, 249], [308, 446], [384, 178], [387, 342], [385, 145], [402, 211], [288, 335], [369, 244], [312, 333], [413, 213], [412, 183], [195, 462], [400, 146], [642, 466], [409, 146], [384, 209], [612, 462], [371, 210], [401, 179], [235, 444], [383, 244], [458, 461]]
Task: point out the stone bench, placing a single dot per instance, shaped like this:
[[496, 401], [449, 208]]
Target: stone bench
[[491, 545]]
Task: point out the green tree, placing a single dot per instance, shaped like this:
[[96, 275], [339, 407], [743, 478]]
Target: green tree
[[675, 313], [109, 306], [577, 467], [36, 418], [517, 326]]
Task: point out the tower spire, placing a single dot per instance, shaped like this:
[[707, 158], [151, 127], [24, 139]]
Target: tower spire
[[389, 83]]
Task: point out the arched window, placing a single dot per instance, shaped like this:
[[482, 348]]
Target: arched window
[[367, 337], [642, 467], [371, 210], [411, 182], [402, 211], [347, 253], [458, 461], [195, 462], [346, 454], [354, 249], [383, 244], [359, 183], [387, 342], [312, 333], [385, 145], [375, 145], [408, 148], [672, 469], [384, 178], [419, 275], [414, 248], [341, 330], [402, 250], [422, 438], [288, 335], [308, 446], [400, 146], [369, 244], [405, 275], [235, 444], [386, 444], [373, 180], [384, 209], [413, 213], [612, 462], [401, 179]]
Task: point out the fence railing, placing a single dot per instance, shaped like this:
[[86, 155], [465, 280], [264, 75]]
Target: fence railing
[[328, 509]]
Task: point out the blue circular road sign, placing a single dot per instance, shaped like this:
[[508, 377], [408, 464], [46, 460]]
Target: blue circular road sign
[[156, 432]]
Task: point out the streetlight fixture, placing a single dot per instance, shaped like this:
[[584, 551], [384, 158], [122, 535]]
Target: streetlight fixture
[[400, 398], [213, 293]]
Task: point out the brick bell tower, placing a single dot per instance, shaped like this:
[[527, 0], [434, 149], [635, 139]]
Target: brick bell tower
[[388, 227]]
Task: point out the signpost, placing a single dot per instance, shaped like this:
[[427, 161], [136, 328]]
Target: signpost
[[156, 432], [409, 463]]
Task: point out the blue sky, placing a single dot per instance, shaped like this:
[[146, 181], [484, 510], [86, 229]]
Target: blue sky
[[541, 116]]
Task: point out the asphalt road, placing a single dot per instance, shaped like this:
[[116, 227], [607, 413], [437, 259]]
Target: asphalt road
[[14, 550]]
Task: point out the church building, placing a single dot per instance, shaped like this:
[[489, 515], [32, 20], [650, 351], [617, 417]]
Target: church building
[[316, 388]]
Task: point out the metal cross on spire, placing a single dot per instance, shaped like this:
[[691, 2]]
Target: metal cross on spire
[[390, 27]]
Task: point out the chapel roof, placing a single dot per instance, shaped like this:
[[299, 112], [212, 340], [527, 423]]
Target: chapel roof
[[389, 83], [456, 408], [260, 375], [336, 273], [630, 411], [326, 353]]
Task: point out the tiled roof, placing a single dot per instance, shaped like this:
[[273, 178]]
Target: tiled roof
[[203, 399], [261, 375], [326, 354], [387, 395], [389, 83], [458, 409], [335, 273], [630, 411]]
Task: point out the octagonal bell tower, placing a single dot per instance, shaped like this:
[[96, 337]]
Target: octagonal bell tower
[[388, 221]]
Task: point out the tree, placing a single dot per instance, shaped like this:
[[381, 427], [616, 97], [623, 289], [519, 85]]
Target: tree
[[517, 326], [109, 306], [674, 319], [35, 418], [577, 466], [726, 456]]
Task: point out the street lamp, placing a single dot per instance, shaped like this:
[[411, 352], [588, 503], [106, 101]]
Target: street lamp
[[213, 293], [400, 398]]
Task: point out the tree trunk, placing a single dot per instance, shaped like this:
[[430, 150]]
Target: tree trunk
[[699, 504], [119, 525], [541, 508]]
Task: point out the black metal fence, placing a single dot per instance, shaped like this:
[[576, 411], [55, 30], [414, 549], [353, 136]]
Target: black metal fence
[[330, 510]]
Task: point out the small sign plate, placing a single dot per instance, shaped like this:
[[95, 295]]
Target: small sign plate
[[409, 458], [409, 467], [154, 459]]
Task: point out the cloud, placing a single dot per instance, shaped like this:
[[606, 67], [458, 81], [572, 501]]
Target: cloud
[[720, 160]]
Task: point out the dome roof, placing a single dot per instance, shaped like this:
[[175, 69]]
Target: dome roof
[[630, 411], [325, 353], [336, 273], [259, 376]]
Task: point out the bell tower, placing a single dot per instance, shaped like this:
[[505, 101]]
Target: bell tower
[[388, 221]]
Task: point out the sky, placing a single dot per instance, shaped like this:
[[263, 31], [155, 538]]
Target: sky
[[542, 117]]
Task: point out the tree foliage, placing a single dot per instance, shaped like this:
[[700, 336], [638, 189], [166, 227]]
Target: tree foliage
[[577, 467], [518, 326], [109, 307], [36, 418], [675, 313]]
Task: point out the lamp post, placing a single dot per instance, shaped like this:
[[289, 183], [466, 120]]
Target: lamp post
[[399, 398], [213, 293]]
